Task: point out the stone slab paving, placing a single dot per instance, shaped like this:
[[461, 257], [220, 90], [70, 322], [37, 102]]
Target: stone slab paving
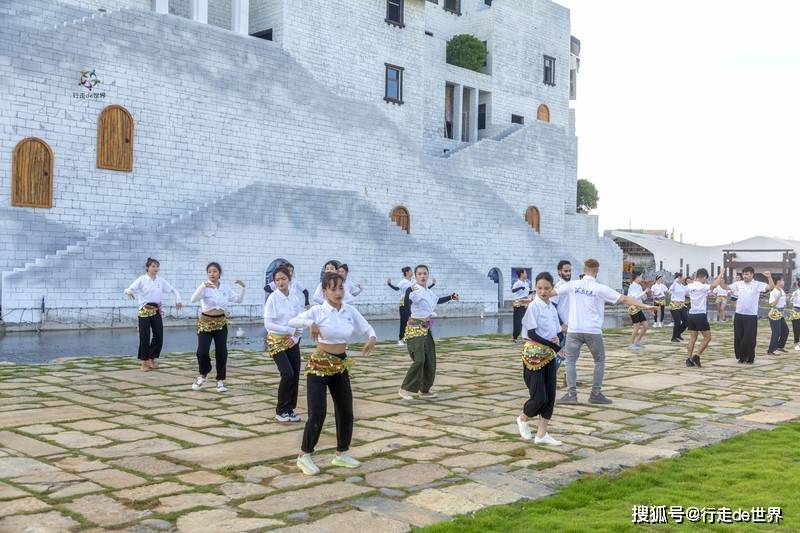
[[95, 444]]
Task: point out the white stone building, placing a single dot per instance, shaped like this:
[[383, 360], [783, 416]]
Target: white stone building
[[243, 131]]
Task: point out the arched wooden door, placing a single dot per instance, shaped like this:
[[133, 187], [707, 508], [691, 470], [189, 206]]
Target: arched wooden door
[[115, 139], [543, 113], [401, 217], [32, 174], [532, 217]]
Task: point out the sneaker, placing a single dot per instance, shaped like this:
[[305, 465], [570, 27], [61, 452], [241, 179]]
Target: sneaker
[[283, 417], [306, 464], [638, 345], [294, 417], [401, 342], [597, 397], [689, 361], [221, 386], [633, 347], [696, 360], [739, 361], [548, 440], [345, 460], [569, 398], [513, 341], [779, 349], [797, 347], [770, 353], [524, 429], [199, 382], [404, 394], [675, 340], [428, 395]]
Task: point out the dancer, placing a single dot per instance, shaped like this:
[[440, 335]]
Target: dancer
[[351, 290], [332, 325], [214, 298], [659, 293], [638, 320], [521, 290], [539, 367], [296, 288], [330, 267], [698, 315], [283, 342], [149, 289], [777, 323], [405, 312], [587, 299], [745, 318], [722, 303], [794, 315], [677, 307], [421, 348], [564, 269]]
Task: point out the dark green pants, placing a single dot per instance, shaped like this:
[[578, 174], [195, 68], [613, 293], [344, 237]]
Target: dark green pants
[[422, 372]]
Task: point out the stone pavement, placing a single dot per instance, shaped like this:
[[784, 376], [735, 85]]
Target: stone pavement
[[96, 445]]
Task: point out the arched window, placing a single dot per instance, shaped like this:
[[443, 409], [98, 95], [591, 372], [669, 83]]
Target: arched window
[[532, 217], [115, 139], [543, 113], [401, 217], [32, 174]]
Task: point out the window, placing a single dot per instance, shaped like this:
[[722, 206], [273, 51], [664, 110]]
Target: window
[[453, 6], [433, 1], [532, 218], [486, 58], [394, 12], [401, 217], [549, 70], [115, 139], [543, 113], [394, 84], [517, 119], [32, 174], [481, 116], [266, 34]]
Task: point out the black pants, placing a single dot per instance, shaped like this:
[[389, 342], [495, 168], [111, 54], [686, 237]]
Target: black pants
[[680, 321], [288, 363], [220, 338], [745, 328], [150, 348], [796, 330], [519, 313], [542, 388], [405, 313], [655, 314], [780, 334], [342, 395]]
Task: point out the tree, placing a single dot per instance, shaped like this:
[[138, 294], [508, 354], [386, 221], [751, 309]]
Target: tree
[[466, 51], [587, 196]]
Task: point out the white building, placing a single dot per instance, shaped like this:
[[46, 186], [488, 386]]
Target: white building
[[191, 139]]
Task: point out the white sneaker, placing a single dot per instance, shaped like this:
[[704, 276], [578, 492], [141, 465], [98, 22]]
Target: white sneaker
[[524, 429], [404, 394], [547, 439], [283, 417], [428, 395], [638, 345], [306, 464], [401, 342], [221, 386], [797, 347], [199, 382], [633, 346], [345, 460], [294, 417]]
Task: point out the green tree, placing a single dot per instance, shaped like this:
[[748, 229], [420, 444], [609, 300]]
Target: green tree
[[466, 51], [587, 196]]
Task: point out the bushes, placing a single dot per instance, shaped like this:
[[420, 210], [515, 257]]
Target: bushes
[[466, 51]]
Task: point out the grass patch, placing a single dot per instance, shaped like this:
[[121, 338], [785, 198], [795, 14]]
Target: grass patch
[[757, 469]]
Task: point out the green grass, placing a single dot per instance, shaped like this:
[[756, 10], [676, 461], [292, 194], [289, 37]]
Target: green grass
[[757, 469]]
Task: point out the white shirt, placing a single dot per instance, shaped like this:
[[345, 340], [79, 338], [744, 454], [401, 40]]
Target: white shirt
[[148, 290], [542, 318], [678, 291], [659, 290], [636, 291], [561, 302], [747, 294], [587, 299], [796, 297], [521, 289], [350, 293], [335, 327], [278, 310], [719, 291], [780, 295], [698, 294], [423, 302], [217, 298]]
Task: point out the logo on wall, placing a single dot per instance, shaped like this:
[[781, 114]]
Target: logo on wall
[[89, 81]]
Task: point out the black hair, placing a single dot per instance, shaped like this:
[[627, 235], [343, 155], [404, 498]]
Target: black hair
[[545, 276], [331, 280], [151, 261], [659, 277], [405, 269], [678, 275], [563, 263], [421, 266], [777, 277], [282, 269], [520, 272], [344, 267], [748, 269], [635, 274], [287, 264], [701, 273], [214, 264], [332, 262]]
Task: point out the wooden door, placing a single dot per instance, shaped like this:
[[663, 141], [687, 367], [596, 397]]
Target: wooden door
[[401, 217], [543, 113], [532, 217], [32, 174], [115, 139]]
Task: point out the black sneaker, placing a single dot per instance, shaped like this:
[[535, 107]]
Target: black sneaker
[[568, 399], [597, 397], [689, 361], [696, 360], [740, 361], [675, 340]]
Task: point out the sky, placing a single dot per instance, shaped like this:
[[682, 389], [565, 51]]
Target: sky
[[688, 114]]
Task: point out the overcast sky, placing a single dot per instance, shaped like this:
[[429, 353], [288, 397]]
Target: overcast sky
[[688, 114]]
